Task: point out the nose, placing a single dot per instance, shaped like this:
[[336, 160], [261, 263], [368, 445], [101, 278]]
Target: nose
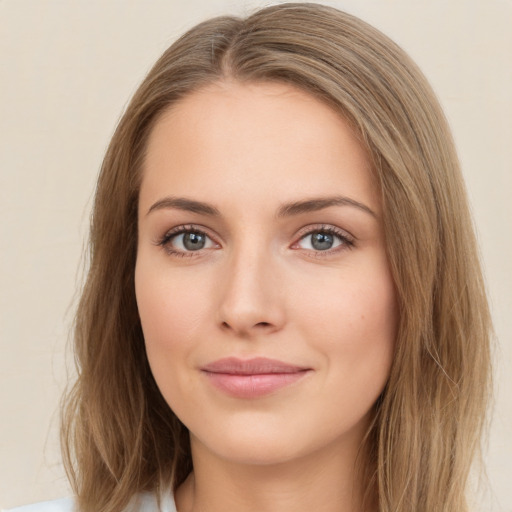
[[252, 301]]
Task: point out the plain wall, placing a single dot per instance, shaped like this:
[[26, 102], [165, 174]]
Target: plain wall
[[68, 69]]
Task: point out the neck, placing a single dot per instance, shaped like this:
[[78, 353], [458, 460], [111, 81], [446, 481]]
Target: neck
[[324, 481]]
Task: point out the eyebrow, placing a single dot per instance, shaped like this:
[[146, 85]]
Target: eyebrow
[[286, 210], [315, 204], [188, 205]]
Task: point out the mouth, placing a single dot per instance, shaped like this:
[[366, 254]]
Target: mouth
[[252, 378]]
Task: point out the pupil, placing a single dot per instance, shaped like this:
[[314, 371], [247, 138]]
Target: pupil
[[193, 241], [322, 241]]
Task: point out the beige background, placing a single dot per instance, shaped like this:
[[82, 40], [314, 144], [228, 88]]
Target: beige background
[[67, 70]]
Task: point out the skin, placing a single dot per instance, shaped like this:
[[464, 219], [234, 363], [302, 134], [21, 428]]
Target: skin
[[259, 288]]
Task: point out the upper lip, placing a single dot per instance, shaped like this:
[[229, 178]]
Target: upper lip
[[255, 366]]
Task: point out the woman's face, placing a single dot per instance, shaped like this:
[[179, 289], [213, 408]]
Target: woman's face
[[262, 282]]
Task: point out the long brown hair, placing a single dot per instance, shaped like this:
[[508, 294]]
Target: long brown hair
[[120, 437]]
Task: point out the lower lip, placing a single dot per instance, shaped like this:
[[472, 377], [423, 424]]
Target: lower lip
[[255, 385]]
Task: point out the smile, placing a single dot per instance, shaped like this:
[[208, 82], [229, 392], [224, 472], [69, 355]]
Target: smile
[[252, 378]]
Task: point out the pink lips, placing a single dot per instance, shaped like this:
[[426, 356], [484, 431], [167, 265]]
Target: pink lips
[[252, 378]]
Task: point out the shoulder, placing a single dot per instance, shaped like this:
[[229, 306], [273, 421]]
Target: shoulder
[[144, 502], [61, 505]]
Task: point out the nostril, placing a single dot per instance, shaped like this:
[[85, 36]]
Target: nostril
[[262, 324]]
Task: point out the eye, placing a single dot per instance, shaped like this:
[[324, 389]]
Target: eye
[[324, 239], [181, 241]]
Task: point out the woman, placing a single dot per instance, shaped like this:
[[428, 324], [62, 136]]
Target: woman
[[284, 307]]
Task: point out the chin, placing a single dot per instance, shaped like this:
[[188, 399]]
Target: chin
[[258, 444], [256, 452]]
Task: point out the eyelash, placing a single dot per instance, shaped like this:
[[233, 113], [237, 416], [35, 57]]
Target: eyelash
[[347, 241]]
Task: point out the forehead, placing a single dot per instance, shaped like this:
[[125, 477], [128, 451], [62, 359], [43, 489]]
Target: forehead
[[254, 141]]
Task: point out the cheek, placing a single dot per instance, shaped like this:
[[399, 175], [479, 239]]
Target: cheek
[[360, 299], [171, 307], [352, 321], [172, 312]]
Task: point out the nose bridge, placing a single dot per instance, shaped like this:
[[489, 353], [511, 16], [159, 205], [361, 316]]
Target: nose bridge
[[251, 296]]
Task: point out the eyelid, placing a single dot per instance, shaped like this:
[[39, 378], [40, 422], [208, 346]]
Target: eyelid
[[164, 240], [346, 238], [313, 228]]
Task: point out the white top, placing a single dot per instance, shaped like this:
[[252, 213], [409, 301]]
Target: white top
[[145, 502]]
